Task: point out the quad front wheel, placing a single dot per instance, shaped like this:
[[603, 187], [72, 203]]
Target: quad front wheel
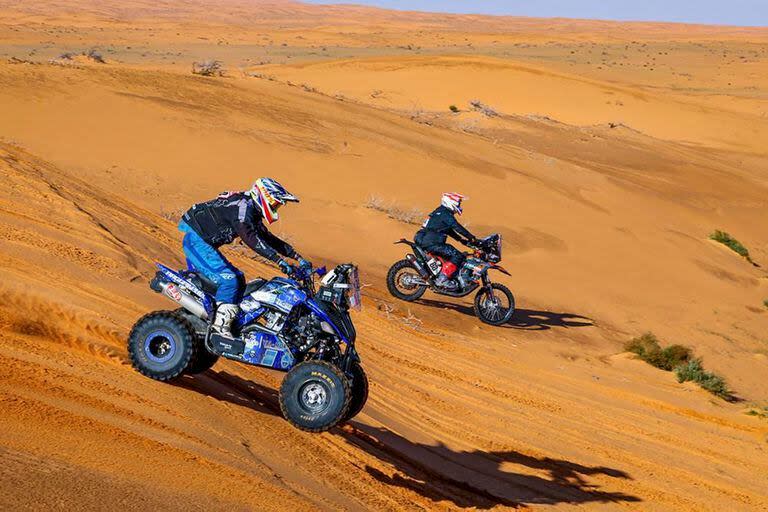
[[315, 396], [359, 390], [494, 306]]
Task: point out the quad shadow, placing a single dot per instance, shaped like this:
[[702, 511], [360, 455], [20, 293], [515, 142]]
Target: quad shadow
[[524, 319], [227, 387], [478, 479]]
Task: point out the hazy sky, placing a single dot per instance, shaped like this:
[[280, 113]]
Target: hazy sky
[[724, 12]]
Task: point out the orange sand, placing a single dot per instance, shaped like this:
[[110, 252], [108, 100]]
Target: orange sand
[[616, 150]]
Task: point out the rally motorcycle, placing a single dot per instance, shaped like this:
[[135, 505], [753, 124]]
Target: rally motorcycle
[[410, 278], [284, 324]]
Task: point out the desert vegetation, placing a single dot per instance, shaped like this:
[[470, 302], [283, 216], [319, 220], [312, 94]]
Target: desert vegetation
[[648, 348], [694, 371], [208, 68], [733, 244], [408, 216], [678, 359]]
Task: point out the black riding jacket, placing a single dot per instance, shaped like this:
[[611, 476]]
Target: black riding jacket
[[232, 215], [441, 224]]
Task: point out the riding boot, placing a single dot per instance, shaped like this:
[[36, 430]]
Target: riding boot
[[222, 322], [446, 283]]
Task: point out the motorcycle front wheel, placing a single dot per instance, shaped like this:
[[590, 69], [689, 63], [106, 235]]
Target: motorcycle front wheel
[[495, 306], [401, 280]]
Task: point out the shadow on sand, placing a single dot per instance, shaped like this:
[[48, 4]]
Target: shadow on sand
[[526, 319], [236, 390], [479, 479]]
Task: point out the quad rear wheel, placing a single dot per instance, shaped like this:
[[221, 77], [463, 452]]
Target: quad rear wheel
[[204, 358], [402, 281], [315, 396], [162, 345]]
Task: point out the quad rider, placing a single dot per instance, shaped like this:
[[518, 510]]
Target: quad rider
[[209, 225], [432, 237]]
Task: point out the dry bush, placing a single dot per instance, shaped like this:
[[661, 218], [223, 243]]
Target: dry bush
[[484, 109], [647, 347], [95, 56], [208, 68], [413, 216], [173, 214]]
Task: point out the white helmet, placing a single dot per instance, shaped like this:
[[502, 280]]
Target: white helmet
[[452, 201], [269, 195]]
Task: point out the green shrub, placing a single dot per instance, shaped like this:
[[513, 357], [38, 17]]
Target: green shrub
[[760, 413], [679, 359], [647, 347], [765, 303], [693, 371], [672, 356], [730, 242], [453, 108]]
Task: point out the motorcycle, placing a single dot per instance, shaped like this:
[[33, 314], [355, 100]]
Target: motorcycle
[[284, 324], [494, 303]]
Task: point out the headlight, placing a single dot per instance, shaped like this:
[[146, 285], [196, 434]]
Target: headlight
[[326, 327]]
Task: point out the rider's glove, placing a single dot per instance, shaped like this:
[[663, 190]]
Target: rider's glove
[[305, 264], [286, 267]]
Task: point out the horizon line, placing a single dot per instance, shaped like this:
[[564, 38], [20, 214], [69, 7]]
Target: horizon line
[[528, 16]]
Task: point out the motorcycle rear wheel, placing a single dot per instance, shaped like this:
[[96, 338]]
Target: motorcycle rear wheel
[[397, 282], [490, 307]]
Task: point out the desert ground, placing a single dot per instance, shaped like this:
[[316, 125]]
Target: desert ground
[[604, 153]]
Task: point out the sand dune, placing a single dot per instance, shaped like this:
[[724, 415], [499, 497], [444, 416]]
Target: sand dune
[[604, 182]]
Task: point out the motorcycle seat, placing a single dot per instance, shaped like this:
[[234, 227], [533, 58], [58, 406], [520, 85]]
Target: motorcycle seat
[[421, 252]]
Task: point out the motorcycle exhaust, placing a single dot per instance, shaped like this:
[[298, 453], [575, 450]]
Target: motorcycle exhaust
[[184, 299], [418, 266]]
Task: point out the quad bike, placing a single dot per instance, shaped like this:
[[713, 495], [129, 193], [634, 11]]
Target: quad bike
[[408, 279], [284, 324]]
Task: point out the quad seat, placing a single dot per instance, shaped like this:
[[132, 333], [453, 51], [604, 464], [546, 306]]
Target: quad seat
[[210, 287]]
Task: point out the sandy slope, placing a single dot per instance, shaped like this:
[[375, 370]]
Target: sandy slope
[[606, 237]]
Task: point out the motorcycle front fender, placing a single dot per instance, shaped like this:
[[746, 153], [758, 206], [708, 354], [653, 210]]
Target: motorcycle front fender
[[500, 269]]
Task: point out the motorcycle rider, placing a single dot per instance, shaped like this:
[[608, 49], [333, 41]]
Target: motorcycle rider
[[209, 225], [432, 237]]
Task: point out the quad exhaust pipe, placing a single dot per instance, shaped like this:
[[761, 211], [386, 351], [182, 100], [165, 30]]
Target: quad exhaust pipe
[[179, 296]]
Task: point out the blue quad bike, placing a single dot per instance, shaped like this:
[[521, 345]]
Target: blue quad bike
[[284, 324]]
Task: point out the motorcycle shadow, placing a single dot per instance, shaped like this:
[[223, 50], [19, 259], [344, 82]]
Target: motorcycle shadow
[[524, 319], [227, 387], [481, 479]]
